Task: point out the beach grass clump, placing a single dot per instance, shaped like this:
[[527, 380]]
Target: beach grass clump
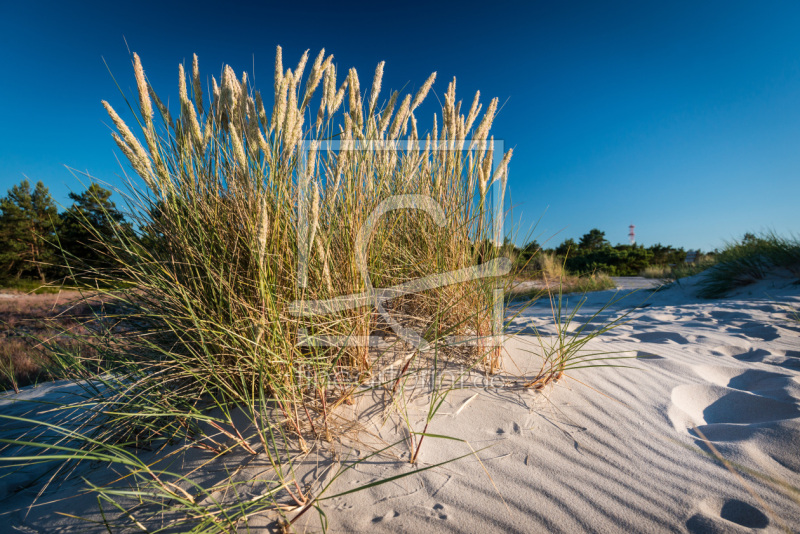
[[680, 270], [589, 283], [685, 270], [549, 265], [224, 326], [565, 349], [751, 259], [549, 273], [662, 272]]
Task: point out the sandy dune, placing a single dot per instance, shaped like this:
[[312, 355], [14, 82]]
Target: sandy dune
[[606, 449]]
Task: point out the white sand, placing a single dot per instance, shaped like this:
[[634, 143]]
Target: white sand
[[605, 450]]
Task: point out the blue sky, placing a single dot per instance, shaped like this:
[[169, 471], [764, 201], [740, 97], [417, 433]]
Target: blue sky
[[682, 118]]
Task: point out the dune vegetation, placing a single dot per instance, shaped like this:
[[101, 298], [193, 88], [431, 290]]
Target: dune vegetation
[[750, 259], [222, 329]]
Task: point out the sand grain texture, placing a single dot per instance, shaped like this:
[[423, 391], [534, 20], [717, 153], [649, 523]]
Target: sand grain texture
[[603, 450]]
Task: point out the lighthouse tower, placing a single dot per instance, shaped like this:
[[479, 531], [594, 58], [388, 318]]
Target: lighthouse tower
[[632, 234]]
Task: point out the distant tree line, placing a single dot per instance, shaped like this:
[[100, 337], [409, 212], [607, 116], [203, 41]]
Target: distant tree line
[[594, 253], [38, 242]]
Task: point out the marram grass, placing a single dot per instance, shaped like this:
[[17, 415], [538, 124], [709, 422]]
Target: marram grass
[[744, 262], [243, 208], [247, 217]]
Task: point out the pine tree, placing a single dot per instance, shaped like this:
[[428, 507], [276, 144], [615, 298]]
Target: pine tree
[[27, 231], [594, 240], [88, 225], [567, 247]]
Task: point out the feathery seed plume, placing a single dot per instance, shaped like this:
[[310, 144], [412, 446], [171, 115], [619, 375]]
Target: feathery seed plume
[[316, 69], [252, 130], [448, 114], [339, 98], [314, 78], [244, 94], [146, 108], [278, 70], [400, 118], [483, 128], [262, 113], [144, 98], [297, 132], [187, 108], [217, 95], [231, 89], [311, 159], [236, 143], [486, 164], [130, 139], [165, 116], [355, 99], [501, 168], [301, 65], [376, 86], [291, 105], [196, 85], [461, 133], [279, 109], [134, 159], [387, 112], [423, 91], [473, 111], [328, 84], [208, 131]]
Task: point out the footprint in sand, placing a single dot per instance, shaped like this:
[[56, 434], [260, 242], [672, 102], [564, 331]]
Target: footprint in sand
[[660, 337], [789, 359], [648, 356], [764, 383], [438, 511], [726, 515], [759, 331], [742, 407], [731, 350], [728, 316], [391, 514], [712, 404]]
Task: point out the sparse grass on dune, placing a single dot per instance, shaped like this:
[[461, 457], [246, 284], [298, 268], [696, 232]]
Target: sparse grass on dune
[[548, 273], [550, 266], [676, 272], [744, 262], [30, 286], [690, 269], [657, 271], [588, 283], [25, 321]]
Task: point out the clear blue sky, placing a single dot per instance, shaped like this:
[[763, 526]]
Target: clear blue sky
[[682, 118]]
